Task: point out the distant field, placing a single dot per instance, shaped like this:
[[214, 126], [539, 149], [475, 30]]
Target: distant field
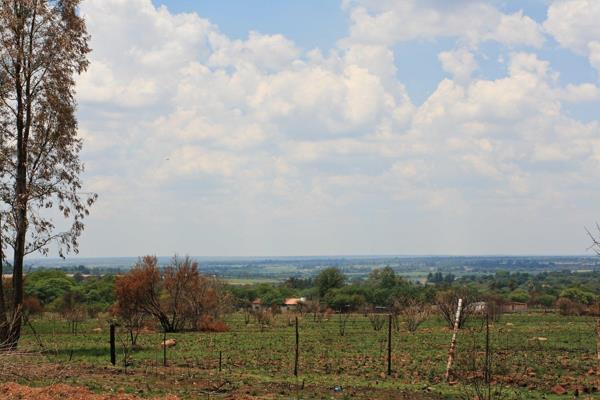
[[249, 281], [258, 363], [281, 268]]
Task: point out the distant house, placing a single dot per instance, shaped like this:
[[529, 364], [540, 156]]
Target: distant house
[[292, 304], [478, 307], [514, 306], [257, 305]]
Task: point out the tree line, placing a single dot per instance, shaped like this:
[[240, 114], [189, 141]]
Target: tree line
[[569, 292], [179, 297]]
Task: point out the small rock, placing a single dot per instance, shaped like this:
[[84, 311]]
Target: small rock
[[539, 338], [169, 343]]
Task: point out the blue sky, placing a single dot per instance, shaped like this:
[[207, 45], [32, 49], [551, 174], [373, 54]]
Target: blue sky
[[309, 23], [226, 128]]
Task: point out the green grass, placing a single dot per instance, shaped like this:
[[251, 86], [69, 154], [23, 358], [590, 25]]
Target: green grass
[[356, 360]]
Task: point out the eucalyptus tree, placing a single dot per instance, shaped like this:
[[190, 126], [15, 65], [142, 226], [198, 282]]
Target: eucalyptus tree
[[43, 46]]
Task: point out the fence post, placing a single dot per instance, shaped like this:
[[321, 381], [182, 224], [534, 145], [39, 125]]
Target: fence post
[[164, 343], [220, 360], [598, 351], [389, 360], [453, 342], [297, 350], [113, 352]]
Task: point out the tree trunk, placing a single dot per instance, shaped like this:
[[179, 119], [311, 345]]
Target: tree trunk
[[3, 316], [166, 323], [20, 211], [17, 279]]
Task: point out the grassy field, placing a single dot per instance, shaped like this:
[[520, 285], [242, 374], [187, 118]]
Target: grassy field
[[532, 354], [249, 281]]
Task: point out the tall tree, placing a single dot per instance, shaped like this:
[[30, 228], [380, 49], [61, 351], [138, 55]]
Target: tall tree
[[329, 278], [43, 46]]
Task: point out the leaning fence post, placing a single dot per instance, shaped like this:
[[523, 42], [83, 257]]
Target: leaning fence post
[[453, 342], [113, 352]]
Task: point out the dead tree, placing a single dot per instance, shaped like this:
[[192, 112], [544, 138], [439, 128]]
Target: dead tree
[[377, 321], [447, 302], [415, 314]]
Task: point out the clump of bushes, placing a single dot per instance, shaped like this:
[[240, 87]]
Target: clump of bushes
[[567, 306], [177, 297], [209, 324]]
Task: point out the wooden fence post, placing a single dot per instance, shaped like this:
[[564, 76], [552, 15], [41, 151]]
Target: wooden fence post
[[220, 360], [389, 357], [113, 351], [297, 350], [453, 342], [164, 343], [598, 355]]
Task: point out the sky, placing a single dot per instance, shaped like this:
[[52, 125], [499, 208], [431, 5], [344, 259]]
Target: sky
[[341, 127]]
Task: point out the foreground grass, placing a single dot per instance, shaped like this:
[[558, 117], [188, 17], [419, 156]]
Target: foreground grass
[[260, 363]]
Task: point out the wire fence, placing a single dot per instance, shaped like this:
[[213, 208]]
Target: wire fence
[[542, 348]]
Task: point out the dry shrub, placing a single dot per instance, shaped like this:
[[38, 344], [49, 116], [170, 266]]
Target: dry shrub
[[177, 298], [264, 318], [316, 309], [377, 321], [32, 305], [447, 304], [415, 314], [342, 321], [131, 318], [493, 307], [209, 324], [594, 310], [569, 307]]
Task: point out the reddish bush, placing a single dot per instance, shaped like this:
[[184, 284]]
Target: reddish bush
[[594, 310], [32, 305], [209, 324], [569, 307], [177, 298]]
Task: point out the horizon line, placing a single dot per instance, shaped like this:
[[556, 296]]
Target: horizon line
[[78, 257]]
